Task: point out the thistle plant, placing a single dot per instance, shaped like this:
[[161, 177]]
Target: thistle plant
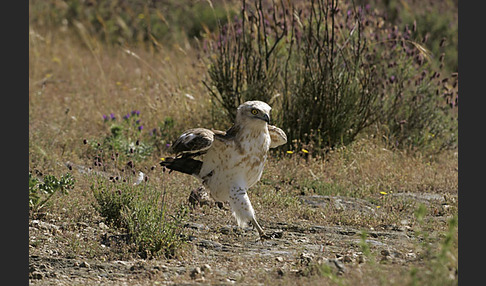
[[126, 136]]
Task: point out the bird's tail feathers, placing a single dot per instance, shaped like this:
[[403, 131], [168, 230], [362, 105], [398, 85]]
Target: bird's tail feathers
[[182, 164]]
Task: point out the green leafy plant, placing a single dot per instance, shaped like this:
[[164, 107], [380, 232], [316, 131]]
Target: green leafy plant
[[41, 191]]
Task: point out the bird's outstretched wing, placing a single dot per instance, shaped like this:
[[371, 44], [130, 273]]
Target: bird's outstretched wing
[[277, 136], [193, 141]]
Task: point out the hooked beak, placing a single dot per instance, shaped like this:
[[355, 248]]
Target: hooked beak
[[266, 118]]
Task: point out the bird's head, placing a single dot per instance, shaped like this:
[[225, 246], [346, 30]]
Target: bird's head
[[255, 111]]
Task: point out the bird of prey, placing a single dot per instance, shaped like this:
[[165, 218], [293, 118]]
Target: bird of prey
[[229, 163]]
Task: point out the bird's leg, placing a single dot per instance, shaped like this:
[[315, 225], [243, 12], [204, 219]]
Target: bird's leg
[[259, 229]]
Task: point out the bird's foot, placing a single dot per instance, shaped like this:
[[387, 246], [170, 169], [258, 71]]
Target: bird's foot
[[272, 235]]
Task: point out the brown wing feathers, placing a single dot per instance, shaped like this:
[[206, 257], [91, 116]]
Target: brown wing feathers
[[195, 140]]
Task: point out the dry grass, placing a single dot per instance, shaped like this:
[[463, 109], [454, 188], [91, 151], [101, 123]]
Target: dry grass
[[72, 84]]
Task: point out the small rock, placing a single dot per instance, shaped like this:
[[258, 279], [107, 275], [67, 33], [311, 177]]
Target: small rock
[[385, 252], [411, 256], [338, 205], [225, 229], [306, 258], [85, 264], [404, 222], [103, 226], [277, 234], [138, 266], [121, 262], [279, 258], [196, 273], [164, 268], [196, 226], [208, 244], [206, 268]]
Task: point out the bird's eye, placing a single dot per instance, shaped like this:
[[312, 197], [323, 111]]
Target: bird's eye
[[254, 111]]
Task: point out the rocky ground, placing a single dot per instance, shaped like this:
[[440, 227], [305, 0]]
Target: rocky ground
[[219, 253]]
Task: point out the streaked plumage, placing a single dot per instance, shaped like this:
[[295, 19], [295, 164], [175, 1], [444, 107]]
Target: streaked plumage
[[232, 161]]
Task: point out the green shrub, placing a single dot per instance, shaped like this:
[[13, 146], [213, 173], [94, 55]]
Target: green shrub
[[141, 211], [334, 94], [150, 226], [332, 70], [111, 199]]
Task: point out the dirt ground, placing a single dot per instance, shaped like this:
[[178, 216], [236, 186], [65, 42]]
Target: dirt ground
[[217, 252]]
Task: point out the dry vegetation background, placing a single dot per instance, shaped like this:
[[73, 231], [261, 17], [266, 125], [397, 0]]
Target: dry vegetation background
[[112, 84]]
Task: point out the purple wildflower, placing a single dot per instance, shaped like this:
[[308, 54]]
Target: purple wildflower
[[126, 116], [140, 128], [112, 116], [105, 118], [137, 122], [135, 112]]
